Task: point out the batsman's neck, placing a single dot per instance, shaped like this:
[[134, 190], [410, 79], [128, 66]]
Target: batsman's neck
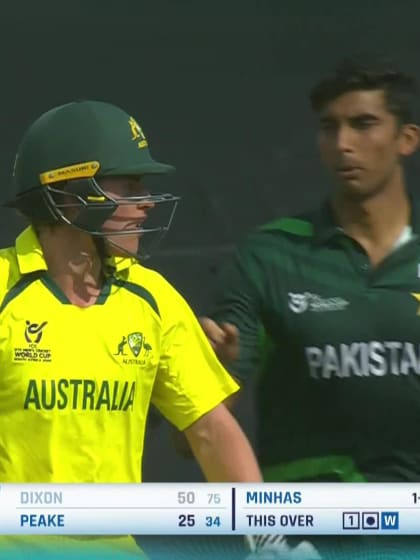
[[73, 263]]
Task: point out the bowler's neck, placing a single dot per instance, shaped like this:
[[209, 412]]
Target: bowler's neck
[[375, 222]]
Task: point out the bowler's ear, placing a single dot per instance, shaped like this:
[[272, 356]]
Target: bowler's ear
[[409, 139]]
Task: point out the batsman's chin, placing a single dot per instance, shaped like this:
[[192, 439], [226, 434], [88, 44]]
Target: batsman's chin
[[122, 246]]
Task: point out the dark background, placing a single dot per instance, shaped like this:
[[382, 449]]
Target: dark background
[[220, 89]]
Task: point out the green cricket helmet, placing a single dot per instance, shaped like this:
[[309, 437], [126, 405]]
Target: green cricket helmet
[[66, 151]]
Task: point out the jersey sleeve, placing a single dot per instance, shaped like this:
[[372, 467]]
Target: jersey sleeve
[[238, 301], [190, 379]]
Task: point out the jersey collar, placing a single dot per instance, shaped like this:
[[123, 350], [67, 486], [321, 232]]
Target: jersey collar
[[415, 215], [326, 228], [29, 252], [31, 258]]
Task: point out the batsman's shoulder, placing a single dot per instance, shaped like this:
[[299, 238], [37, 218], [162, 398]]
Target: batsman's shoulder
[[9, 270], [151, 280], [148, 278]]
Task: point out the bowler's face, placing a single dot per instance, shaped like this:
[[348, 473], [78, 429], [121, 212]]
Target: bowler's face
[[360, 142]]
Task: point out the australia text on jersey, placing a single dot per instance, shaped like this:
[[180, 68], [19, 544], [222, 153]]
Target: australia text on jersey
[[81, 394]]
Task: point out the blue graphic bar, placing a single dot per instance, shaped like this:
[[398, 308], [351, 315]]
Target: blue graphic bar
[[210, 509]]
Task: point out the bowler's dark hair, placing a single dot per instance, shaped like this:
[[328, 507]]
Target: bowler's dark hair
[[364, 72]]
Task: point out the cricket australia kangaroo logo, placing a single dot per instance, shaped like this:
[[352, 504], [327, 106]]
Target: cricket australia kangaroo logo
[[138, 346], [135, 342]]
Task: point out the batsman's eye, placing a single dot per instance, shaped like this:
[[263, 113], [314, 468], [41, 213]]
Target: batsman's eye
[[132, 190]]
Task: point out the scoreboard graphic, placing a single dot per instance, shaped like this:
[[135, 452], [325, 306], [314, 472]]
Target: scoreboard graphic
[[202, 509]]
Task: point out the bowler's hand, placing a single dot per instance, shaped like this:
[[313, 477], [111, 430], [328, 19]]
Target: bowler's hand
[[276, 547], [224, 338]]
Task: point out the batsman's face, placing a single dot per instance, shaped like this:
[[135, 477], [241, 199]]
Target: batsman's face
[[129, 217], [361, 143]]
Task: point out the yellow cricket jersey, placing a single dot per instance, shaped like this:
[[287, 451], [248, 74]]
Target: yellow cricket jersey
[[76, 383]]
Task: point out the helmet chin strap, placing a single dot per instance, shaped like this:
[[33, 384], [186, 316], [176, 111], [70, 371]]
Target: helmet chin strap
[[109, 242], [136, 255], [100, 247]]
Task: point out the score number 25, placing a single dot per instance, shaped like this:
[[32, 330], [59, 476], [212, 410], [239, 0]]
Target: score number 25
[[188, 520]]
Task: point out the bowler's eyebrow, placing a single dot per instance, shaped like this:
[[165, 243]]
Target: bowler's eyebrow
[[364, 117], [358, 117]]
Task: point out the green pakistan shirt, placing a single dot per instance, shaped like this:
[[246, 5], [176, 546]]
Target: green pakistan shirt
[[336, 345]]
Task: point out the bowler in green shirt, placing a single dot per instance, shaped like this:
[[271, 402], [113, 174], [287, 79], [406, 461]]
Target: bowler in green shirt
[[325, 307]]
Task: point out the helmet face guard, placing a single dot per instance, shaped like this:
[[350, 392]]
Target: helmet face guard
[[84, 205]]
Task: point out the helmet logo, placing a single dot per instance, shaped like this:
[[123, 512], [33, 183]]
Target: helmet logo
[[77, 171], [137, 133]]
